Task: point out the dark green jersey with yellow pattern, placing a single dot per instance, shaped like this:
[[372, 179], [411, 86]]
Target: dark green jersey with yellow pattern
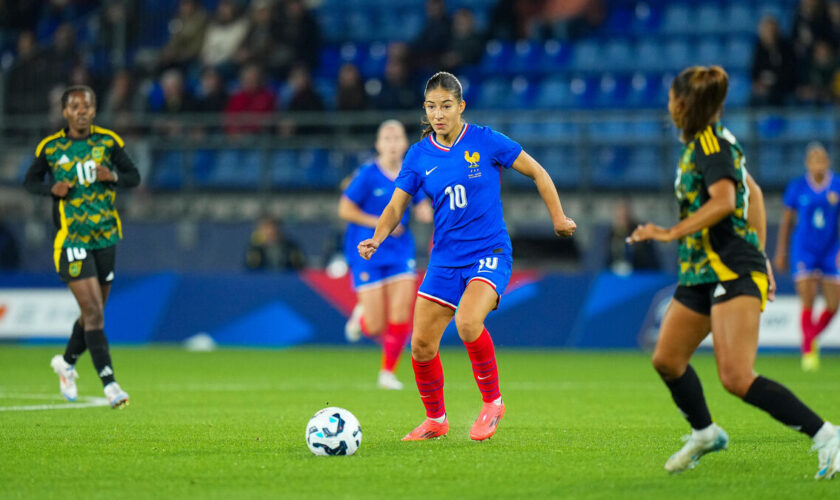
[[730, 248], [86, 217]]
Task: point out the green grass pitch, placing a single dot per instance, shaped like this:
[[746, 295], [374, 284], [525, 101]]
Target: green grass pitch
[[230, 424]]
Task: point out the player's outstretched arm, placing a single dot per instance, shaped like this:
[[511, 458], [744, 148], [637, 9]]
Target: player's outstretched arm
[[349, 211], [388, 221], [529, 167], [721, 203]]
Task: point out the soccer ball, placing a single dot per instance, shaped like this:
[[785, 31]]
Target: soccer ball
[[333, 431]]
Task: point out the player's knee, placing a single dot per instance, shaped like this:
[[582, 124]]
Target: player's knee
[[735, 381], [422, 350], [93, 317], [469, 327], [374, 326], [667, 367]]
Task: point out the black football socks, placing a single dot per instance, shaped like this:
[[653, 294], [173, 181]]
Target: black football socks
[[98, 346], [783, 405], [688, 395], [76, 345]]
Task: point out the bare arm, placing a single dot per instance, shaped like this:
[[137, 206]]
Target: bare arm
[[388, 221], [349, 211], [529, 167], [756, 215], [721, 203]]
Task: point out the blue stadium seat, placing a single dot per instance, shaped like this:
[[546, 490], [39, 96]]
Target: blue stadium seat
[[563, 164], [554, 56], [361, 25], [677, 19], [618, 56], [709, 19], [329, 62], [739, 125], [583, 91], [493, 93], [374, 62], [641, 90], [331, 21], [649, 55], [770, 166], [740, 89], [611, 91], [284, 171], [645, 168], [236, 169], [168, 170], [619, 21], [677, 54], [587, 56], [525, 57], [554, 93], [738, 53], [809, 127], [497, 55], [740, 17], [710, 51], [520, 93]]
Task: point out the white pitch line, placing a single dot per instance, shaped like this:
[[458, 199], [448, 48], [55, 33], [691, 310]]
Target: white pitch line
[[85, 402]]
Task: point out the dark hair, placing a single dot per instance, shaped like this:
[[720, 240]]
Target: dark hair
[[702, 90], [448, 82], [65, 96]]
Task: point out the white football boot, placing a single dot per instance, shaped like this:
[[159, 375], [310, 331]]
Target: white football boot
[[67, 376], [387, 380], [698, 443], [353, 327], [827, 444], [117, 397]]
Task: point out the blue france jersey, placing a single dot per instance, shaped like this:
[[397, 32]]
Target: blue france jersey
[[371, 190], [464, 184], [817, 209]]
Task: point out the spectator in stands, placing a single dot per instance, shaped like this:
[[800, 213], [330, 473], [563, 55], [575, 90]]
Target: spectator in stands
[[299, 38], [773, 78], [253, 98], [818, 82], [212, 96], [504, 22], [175, 101], [571, 19], [350, 90], [119, 98], [186, 35], [834, 22], [303, 98], [270, 249], [810, 25], [259, 46], [434, 39], [25, 92], [60, 57], [467, 44], [397, 90], [117, 29], [624, 258], [224, 36], [9, 253]]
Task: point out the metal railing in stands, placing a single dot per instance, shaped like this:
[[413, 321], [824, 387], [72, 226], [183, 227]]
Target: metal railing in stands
[[583, 150]]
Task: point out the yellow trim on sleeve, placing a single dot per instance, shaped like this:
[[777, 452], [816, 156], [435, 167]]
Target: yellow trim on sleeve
[[105, 131], [721, 270], [704, 145], [60, 236], [46, 140], [714, 144]]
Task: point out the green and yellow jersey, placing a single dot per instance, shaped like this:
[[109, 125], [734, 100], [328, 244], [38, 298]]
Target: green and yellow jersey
[[730, 248], [86, 217]]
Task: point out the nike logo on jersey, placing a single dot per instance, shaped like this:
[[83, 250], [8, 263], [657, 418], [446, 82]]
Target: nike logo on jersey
[[63, 160], [110, 276], [431, 170], [719, 291]]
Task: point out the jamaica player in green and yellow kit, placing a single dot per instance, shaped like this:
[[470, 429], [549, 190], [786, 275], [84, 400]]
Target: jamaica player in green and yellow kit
[[83, 164]]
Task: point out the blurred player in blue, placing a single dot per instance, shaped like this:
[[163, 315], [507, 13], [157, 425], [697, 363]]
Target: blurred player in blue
[[812, 205], [458, 166], [385, 284]]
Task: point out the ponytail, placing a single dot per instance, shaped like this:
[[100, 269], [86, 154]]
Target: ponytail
[[702, 90]]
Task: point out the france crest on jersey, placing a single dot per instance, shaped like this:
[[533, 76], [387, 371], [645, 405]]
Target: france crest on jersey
[[464, 184], [371, 190], [815, 239]]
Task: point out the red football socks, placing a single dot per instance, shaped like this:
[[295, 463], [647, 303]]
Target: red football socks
[[429, 377], [807, 323], [393, 344], [483, 358]]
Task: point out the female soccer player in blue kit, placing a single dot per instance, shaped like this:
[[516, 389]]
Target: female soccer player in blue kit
[[385, 284], [458, 166], [812, 205]]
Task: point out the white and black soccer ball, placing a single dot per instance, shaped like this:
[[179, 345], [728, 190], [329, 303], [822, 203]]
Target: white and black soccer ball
[[333, 431]]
